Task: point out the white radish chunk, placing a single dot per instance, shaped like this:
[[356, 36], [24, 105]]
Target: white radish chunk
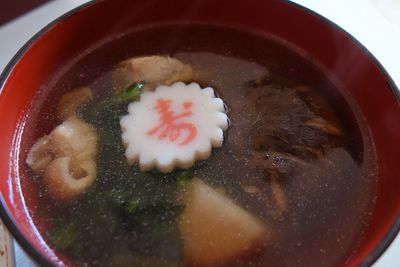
[[215, 230]]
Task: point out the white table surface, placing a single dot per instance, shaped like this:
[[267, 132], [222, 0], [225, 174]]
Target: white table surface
[[376, 23]]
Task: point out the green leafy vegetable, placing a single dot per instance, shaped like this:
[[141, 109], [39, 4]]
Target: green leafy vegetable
[[132, 93], [185, 177], [132, 205], [63, 237]]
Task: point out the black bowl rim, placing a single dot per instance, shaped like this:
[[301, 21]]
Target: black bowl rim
[[39, 258]]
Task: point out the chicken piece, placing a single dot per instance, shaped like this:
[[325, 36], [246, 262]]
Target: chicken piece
[[66, 158], [71, 101], [215, 230], [152, 70]]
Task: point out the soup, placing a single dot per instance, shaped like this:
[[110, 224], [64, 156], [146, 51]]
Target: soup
[[294, 175]]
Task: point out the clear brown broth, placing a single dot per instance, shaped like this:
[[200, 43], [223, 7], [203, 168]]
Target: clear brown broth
[[330, 198]]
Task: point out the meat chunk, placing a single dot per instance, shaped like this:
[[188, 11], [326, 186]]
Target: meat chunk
[[294, 131], [300, 131], [152, 70], [71, 101], [215, 230], [66, 158]]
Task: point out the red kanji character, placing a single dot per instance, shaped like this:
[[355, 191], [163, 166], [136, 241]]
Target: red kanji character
[[169, 125]]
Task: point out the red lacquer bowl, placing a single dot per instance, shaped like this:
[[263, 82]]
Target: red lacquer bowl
[[57, 45]]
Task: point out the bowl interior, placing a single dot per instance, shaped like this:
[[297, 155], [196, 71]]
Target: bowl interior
[[362, 77]]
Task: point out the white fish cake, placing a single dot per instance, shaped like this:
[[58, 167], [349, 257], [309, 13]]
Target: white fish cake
[[173, 126]]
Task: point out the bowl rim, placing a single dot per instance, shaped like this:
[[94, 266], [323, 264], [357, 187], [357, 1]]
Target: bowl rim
[[41, 259]]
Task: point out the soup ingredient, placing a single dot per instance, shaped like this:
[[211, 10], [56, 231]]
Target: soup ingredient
[[71, 101], [66, 180], [324, 126], [288, 143], [173, 127], [300, 132], [132, 93], [153, 70], [215, 230], [40, 155], [66, 158]]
